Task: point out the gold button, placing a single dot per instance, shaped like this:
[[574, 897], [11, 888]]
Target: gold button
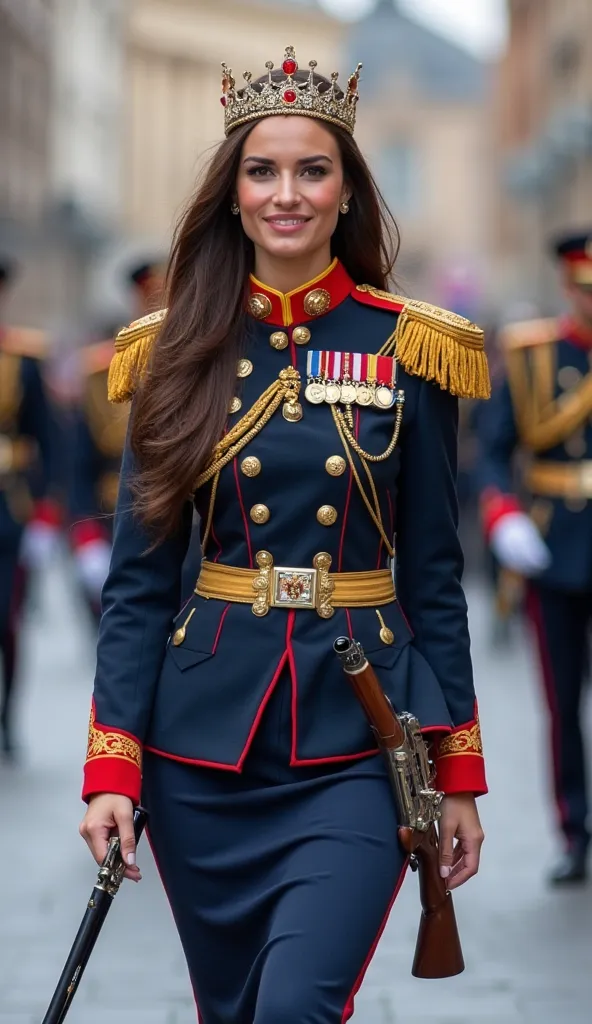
[[235, 405], [335, 465], [301, 335], [327, 515], [259, 306], [317, 302], [569, 377], [260, 514], [244, 368], [251, 466], [279, 340]]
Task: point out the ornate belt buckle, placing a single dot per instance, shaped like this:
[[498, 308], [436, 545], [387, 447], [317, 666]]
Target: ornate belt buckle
[[293, 588]]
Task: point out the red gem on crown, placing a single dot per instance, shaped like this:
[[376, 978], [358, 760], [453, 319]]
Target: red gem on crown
[[289, 67], [223, 101], [290, 96]]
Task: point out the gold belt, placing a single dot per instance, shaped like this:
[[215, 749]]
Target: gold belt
[[561, 479], [275, 586]]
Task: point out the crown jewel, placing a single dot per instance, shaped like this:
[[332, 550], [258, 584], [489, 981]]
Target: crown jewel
[[289, 96]]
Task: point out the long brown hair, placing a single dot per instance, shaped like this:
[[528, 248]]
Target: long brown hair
[[180, 410]]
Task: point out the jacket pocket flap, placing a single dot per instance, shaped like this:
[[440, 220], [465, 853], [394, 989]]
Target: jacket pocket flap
[[185, 658]]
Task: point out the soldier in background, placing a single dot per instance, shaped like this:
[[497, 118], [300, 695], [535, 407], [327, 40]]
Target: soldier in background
[[98, 439], [543, 412], [29, 514]]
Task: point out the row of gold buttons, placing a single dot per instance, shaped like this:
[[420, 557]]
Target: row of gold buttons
[[280, 340], [327, 515]]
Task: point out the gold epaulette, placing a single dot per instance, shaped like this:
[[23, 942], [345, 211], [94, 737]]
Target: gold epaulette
[[441, 346], [528, 333], [133, 345], [24, 341]]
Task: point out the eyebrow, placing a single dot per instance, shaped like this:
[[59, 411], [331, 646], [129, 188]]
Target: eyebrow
[[320, 157]]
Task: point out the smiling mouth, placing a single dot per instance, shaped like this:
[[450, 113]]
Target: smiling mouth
[[287, 222]]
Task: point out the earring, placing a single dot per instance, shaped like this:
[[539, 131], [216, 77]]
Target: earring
[[235, 209], [344, 206]]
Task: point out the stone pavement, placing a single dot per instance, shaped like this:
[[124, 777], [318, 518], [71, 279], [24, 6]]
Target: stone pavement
[[528, 951]]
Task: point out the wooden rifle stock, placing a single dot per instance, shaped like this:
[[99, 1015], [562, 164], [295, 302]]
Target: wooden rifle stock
[[438, 952]]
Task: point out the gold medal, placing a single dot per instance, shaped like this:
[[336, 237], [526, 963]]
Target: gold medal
[[383, 397], [364, 395], [315, 392], [332, 392], [292, 412], [348, 393]]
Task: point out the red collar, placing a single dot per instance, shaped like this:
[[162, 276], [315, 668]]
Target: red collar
[[573, 331], [308, 302]]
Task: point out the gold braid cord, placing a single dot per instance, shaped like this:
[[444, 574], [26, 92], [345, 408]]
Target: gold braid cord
[[102, 743], [439, 345], [464, 741], [133, 346], [285, 388]]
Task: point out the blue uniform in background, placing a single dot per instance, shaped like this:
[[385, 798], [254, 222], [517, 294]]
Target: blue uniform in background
[[26, 489], [542, 410]]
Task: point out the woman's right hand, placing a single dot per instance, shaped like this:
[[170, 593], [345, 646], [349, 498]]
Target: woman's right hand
[[108, 814]]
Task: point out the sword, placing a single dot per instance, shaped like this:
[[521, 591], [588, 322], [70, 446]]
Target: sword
[[104, 892]]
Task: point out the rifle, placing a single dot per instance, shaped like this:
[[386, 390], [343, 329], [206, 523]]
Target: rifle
[[105, 889], [438, 952]]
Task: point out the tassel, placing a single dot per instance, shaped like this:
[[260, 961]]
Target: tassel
[[133, 346], [443, 347]]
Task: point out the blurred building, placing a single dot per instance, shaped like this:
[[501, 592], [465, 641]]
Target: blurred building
[[174, 49], [423, 124], [543, 129], [25, 112]]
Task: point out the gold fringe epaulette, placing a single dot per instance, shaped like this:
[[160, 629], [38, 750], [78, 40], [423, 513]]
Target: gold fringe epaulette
[[528, 333], [441, 346], [133, 346], [24, 341]]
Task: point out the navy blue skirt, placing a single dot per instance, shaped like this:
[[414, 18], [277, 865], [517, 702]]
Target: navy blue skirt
[[280, 879]]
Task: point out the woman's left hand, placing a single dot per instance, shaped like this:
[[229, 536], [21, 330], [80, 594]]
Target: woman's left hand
[[460, 821]]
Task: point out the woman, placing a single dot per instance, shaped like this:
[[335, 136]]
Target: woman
[[271, 817]]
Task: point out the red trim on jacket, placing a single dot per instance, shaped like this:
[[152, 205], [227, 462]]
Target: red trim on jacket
[[377, 301], [494, 506], [288, 308], [113, 761], [458, 759]]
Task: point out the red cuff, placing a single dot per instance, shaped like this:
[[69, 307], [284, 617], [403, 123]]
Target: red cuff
[[458, 758], [49, 512], [113, 761], [110, 775], [494, 506], [87, 532]]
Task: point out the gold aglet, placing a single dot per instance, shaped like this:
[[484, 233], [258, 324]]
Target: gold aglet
[[180, 634], [386, 635]]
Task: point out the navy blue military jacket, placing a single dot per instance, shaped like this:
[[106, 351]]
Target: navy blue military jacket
[[543, 409], [293, 493]]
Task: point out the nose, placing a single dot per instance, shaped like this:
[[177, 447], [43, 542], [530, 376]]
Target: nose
[[287, 195]]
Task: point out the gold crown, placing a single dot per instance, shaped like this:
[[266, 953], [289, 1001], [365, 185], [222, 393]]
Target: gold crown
[[288, 96]]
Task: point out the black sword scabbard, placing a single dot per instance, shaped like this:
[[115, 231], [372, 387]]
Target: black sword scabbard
[[99, 904]]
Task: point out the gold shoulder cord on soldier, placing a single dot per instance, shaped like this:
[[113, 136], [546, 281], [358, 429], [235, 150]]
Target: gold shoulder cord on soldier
[[543, 421]]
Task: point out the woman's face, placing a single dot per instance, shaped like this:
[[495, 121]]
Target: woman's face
[[289, 186]]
